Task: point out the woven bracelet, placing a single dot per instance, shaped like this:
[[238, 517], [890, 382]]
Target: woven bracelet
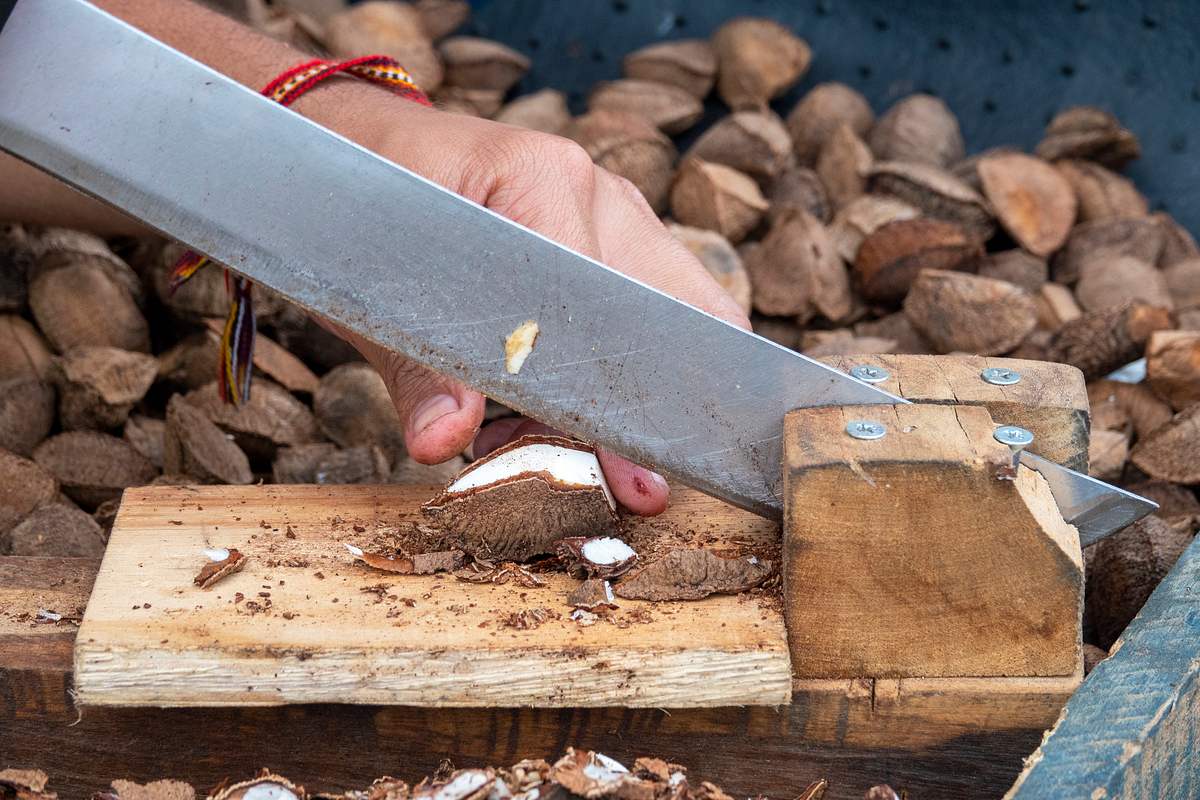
[[237, 338]]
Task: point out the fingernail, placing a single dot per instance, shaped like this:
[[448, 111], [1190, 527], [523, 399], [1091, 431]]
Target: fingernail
[[431, 410]]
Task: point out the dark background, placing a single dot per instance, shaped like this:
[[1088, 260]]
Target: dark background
[[1004, 68]]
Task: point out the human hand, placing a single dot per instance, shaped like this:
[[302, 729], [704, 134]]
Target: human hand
[[550, 185]]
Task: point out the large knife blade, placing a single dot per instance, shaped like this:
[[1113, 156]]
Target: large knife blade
[[281, 200]]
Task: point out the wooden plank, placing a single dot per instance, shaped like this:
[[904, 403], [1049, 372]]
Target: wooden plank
[[948, 738], [920, 554], [1050, 399], [330, 633], [1131, 731]]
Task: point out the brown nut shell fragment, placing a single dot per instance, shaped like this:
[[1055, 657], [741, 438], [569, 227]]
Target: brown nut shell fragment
[[155, 790], [936, 192], [890, 258], [1034, 202], [598, 556], [669, 108], [1088, 133], [392, 29], [758, 59], [627, 145], [214, 571], [690, 64], [753, 142], [544, 110], [1137, 237], [919, 128], [718, 257], [266, 786], [692, 575], [418, 564], [592, 594], [1102, 193], [24, 784], [717, 198], [958, 312], [798, 272], [820, 112], [1100, 341], [465, 784], [521, 499]]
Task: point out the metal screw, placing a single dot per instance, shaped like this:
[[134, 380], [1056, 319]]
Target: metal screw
[[869, 373], [1016, 438], [866, 429], [1000, 376]]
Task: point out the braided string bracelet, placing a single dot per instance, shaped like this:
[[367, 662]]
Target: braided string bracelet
[[237, 338]]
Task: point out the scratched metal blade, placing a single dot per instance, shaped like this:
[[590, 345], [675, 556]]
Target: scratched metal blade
[[406, 263]]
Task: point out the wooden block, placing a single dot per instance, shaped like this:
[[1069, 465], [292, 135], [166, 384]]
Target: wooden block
[[150, 637], [1130, 730], [1050, 400], [945, 738], [915, 556]]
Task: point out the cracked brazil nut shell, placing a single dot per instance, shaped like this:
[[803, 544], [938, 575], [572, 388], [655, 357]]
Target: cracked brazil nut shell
[[522, 499]]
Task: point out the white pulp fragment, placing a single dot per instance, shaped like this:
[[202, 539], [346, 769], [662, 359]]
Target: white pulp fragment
[[216, 553], [606, 550], [584, 618], [354, 551], [608, 593], [519, 345], [676, 779], [568, 465], [269, 791], [466, 783], [49, 616], [603, 769]]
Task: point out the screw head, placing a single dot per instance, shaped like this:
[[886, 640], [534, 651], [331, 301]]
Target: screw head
[[869, 373], [866, 429], [1013, 436], [1000, 376]]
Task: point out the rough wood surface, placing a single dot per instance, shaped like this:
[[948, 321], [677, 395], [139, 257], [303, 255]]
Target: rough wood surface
[[949, 738], [152, 638], [1050, 400], [1130, 731], [915, 555]]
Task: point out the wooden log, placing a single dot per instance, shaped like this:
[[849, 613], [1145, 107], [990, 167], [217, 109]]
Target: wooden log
[[1050, 399], [922, 553], [948, 738], [1130, 731], [323, 631]]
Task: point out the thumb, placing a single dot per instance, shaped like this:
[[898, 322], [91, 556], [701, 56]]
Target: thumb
[[440, 416]]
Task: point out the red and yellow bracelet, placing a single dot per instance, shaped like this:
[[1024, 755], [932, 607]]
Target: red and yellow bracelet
[[237, 339]]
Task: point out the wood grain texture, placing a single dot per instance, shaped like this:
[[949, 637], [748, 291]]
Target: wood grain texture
[[1050, 400], [1131, 729], [951, 738], [152, 638], [915, 555]]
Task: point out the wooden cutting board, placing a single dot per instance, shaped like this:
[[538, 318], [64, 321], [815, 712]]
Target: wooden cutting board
[[313, 625]]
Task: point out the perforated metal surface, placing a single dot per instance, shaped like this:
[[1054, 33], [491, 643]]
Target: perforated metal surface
[[1004, 68]]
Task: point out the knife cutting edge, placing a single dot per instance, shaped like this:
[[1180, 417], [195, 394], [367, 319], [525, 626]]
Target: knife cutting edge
[[277, 198]]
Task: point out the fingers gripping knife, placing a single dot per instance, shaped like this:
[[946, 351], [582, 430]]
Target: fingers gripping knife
[[615, 362]]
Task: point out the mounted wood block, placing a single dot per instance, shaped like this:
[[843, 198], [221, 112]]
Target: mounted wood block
[[1050, 399], [949, 738], [919, 554], [304, 622]]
